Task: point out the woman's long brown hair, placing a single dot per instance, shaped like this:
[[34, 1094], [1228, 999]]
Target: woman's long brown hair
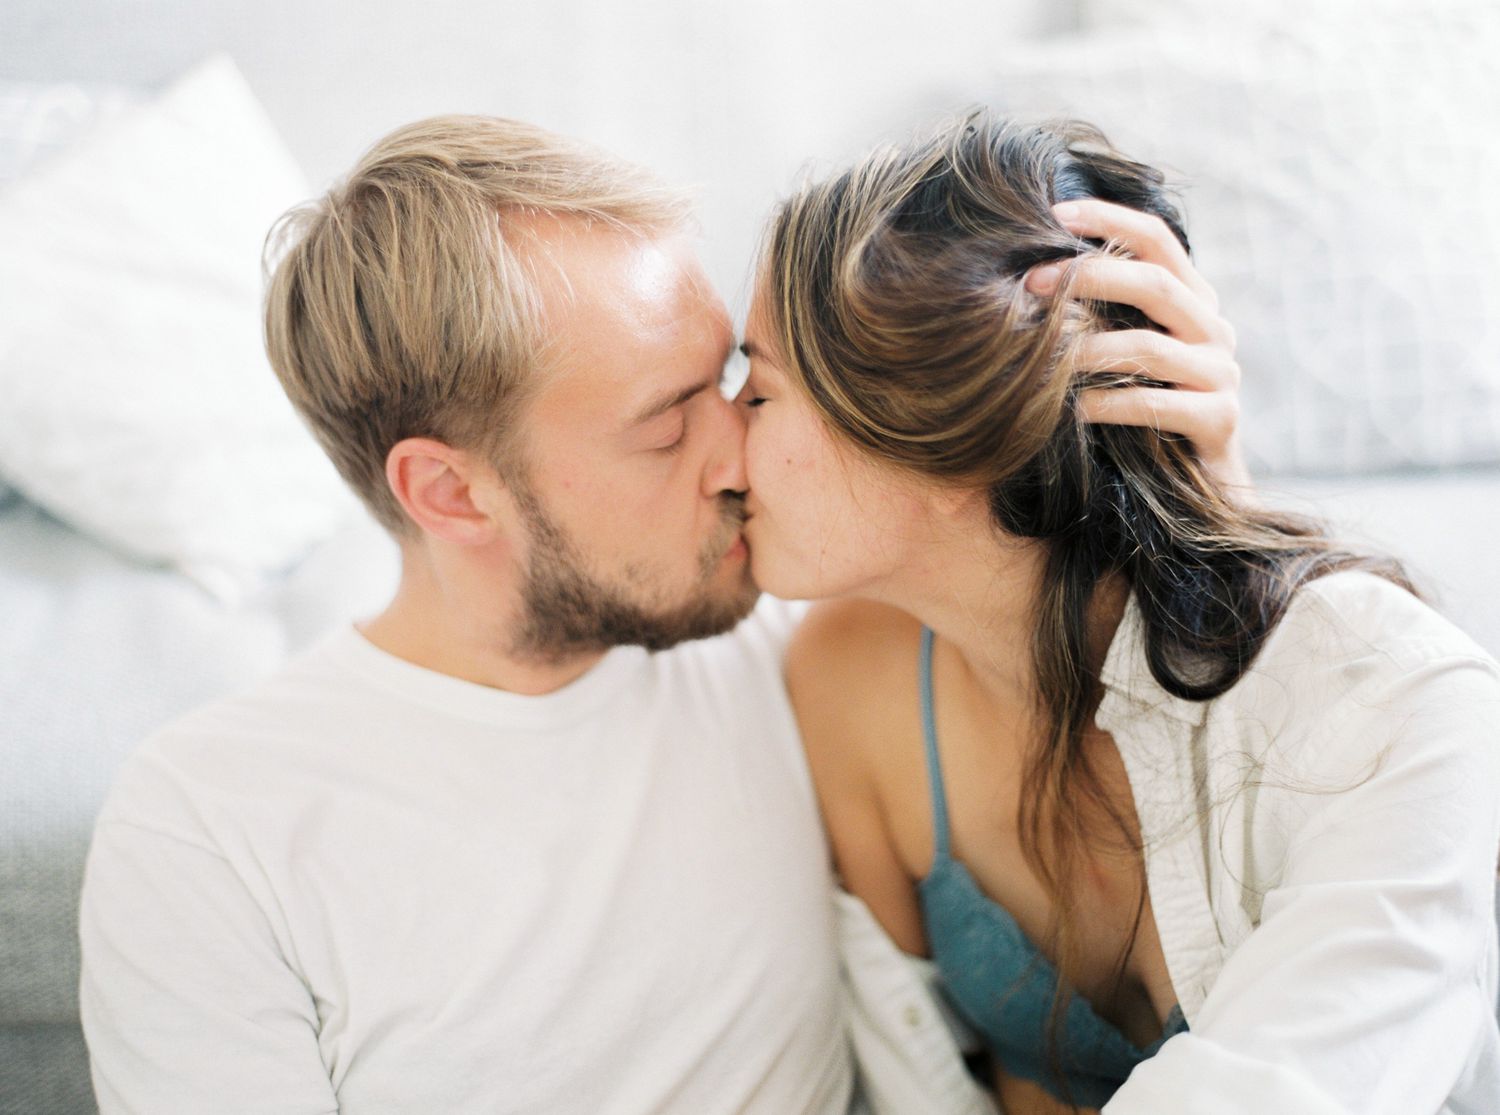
[[895, 292]]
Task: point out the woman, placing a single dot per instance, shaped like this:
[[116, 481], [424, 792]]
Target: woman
[[1192, 809]]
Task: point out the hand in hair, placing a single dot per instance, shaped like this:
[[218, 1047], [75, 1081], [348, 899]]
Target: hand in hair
[[1193, 358]]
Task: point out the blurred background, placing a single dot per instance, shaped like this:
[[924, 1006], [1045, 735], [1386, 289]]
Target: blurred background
[[168, 532], [729, 97]]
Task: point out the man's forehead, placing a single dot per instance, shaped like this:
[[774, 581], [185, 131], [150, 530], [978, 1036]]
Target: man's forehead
[[626, 317], [577, 262]]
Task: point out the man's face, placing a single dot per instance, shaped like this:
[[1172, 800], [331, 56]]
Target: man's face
[[631, 490]]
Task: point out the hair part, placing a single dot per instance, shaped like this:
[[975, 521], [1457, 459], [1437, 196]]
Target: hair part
[[402, 302], [895, 294]]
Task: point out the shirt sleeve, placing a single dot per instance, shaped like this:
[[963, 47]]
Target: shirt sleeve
[[187, 1002], [1367, 985]]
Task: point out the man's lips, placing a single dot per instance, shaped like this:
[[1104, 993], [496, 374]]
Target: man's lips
[[739, 546]]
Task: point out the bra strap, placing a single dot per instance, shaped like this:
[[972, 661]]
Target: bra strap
[[934, 765]]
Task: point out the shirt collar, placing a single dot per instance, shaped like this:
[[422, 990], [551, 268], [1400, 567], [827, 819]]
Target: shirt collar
[[1130, 690]]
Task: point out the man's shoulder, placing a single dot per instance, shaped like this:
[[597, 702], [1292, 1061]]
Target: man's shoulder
[[305, 685], [255, 729]]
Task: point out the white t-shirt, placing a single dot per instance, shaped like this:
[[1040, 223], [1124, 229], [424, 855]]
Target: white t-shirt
[[369, 887]]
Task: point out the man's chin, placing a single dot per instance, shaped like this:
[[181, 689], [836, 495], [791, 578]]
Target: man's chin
[[703, 620], [566, 610], [607, 621], [725, 611]]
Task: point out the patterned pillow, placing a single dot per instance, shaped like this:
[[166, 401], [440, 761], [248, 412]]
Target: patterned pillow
[[1338, 175]]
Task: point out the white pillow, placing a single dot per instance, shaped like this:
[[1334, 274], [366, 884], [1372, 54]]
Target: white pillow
[[137, 401], [38, 119], [1340, 165]]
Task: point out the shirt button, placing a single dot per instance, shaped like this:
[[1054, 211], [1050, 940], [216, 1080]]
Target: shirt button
[[912, 1016]]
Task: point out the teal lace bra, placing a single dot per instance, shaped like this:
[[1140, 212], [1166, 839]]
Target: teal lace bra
[[998, 981]]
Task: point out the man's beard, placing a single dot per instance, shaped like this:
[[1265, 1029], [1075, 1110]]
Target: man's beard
[[566, 610]]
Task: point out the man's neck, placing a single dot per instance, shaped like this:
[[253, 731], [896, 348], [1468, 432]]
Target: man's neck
[[466, 632]]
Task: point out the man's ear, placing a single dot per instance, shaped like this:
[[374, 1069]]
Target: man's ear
[[445, 491]]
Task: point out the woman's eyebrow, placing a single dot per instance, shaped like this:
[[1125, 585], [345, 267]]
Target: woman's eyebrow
[[753, 351]]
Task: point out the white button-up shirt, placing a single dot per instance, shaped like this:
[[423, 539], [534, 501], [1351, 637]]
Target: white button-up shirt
[[1320, 849]]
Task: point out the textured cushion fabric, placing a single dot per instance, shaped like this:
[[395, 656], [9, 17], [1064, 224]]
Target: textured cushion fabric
[[44, 1070], [1338, 166], [138, 402], [99, 652]]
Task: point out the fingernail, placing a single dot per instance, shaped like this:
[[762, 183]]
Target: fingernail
[[1044, 279], [1065, 211]]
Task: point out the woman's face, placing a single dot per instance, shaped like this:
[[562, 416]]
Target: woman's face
[[825, 520]]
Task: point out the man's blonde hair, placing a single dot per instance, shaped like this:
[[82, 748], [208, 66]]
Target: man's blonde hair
[[398, 304]]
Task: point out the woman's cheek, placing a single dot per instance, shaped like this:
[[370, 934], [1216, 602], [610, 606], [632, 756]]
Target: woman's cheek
[[777, 505], [768, 464]]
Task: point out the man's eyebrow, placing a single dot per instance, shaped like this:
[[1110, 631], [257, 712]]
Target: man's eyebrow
[[663, 403]]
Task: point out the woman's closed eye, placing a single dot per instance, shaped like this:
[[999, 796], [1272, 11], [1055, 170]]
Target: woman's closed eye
[[749, 397]]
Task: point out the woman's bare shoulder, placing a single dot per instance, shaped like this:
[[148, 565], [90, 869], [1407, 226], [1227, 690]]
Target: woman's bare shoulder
[[846, 646], [852, 674]]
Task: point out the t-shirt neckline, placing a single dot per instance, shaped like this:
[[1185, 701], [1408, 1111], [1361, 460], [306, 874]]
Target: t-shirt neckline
[[471, 700]]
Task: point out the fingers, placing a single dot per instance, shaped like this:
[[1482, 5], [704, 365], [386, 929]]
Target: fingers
[[1144, 236], [1143, 354], [1206, 418], [1194, 391], [1151, 288]]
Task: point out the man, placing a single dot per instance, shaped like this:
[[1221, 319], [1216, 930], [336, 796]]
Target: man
[[488, 852]]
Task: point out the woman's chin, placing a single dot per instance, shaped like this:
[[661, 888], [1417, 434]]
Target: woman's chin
[[785, 579], [771, 575]]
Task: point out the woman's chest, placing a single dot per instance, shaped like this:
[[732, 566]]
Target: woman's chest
[[996, 810]]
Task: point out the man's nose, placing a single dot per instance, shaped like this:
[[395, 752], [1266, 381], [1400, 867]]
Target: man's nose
[[725, 469]]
